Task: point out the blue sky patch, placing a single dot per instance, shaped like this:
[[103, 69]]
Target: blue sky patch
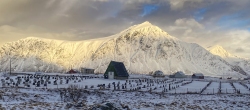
[[234, 21], [148, 9], [199, 14]]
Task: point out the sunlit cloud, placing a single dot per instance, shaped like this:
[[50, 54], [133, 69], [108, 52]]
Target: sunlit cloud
[[206, 22]]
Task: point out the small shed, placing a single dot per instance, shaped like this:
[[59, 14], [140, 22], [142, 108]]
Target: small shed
[[198, 76], [116, 70], [178, 74], [158, 73], [87, 71], [72, 71]]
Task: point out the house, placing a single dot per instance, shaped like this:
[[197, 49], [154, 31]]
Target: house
[[178, 74], [158, 74], [198, 76], [87, 71], [16, 73], [116, 70], [72, 71], [248, 78]]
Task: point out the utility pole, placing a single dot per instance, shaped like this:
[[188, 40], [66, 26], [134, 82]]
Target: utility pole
[[10, 62], [10, 66]]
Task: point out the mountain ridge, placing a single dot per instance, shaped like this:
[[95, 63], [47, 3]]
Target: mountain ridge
[[238, 62], [143, 48]]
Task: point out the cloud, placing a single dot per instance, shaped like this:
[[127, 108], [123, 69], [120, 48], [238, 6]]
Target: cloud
[[188, 23], [206, 22], [179, 4], [239, 50]]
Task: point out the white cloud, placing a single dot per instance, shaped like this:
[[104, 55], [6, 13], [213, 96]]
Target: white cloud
[[185, 22], [189, 30], [178, 4], [99, 18]]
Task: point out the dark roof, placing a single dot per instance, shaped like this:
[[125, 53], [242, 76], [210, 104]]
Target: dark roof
[[120, 68], [88, 68], [198, 74], [72, 71], [180, 72]]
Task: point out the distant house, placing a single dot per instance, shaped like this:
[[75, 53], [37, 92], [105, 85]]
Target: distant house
[[198, 76], [72, 71], [178, 74], [16, 73], [87, 71], [116, 70], [158, 74], [248, 78]]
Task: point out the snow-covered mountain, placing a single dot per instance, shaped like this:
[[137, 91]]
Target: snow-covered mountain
[[143, 48], [236, 61], [220, 51]]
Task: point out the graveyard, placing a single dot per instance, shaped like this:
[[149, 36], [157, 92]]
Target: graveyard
[[143, 84], [85, 90]]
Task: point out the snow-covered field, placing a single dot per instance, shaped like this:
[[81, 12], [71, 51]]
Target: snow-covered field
[[248, 85], [227, 88], [211, 89], [193, 87], [242, 89], [138, 92], [40, 99]]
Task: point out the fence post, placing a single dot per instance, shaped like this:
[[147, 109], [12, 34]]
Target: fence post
[[213, 90], [226, 90]]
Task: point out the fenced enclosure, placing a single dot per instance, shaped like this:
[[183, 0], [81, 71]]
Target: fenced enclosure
[[152, 85]]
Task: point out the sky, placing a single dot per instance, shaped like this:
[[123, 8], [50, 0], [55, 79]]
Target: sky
[[205, 22]]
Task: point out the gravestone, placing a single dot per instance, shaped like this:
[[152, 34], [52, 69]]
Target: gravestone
[[109, 85], [92, 86], [38, 85], [42, 81], [55, 82]]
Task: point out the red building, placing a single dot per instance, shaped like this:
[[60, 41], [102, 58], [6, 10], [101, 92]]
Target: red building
[[72, 71]]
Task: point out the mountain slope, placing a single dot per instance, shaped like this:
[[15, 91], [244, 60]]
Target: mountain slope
[[220, 51], [236, 61], [143, 48]]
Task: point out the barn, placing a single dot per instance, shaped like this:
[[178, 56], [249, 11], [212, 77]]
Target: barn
[[198, 76], [72, 71], [178, 74], [87, 71], [116, 70], [158, 74]]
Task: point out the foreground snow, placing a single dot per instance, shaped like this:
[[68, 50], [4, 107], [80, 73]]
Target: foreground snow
[[141, 92], [90, 99]]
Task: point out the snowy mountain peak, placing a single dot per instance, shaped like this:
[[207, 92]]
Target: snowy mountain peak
[[220, 51], [29, 38], [146, 26], [145, 23], [146, 29]]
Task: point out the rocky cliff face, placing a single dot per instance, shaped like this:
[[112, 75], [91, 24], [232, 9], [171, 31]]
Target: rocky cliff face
[[143, 48]]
